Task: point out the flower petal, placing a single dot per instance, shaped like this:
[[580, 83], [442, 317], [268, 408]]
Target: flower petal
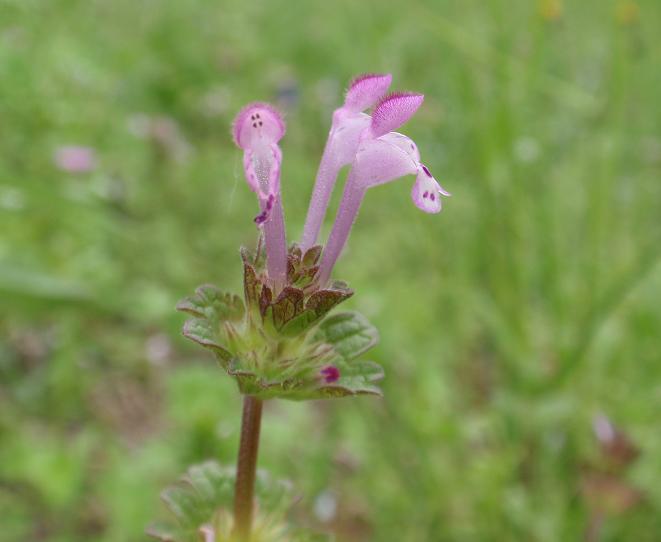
[[426, 192], [257, 124], [262, 170], [365, 90], [403, 142], [345, 137], [378, 161], [393, 111]]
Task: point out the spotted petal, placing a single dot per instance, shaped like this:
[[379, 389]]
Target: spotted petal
[[426, 192], [257, 124]]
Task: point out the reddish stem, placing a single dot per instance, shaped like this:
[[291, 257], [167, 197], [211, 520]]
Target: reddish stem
[[244, 489]]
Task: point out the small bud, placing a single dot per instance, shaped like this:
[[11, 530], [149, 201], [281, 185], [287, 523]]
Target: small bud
[[330, 373]]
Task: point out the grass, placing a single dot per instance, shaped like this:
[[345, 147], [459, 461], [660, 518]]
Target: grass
[[508, 322]]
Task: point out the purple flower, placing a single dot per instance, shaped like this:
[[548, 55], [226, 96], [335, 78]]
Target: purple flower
[[376, 152], [330, 373], [257, 129], [348, 124], [382, 156], [75, 159]]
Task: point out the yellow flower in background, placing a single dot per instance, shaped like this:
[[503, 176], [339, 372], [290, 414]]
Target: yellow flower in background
[[627, 12], [551, 10]]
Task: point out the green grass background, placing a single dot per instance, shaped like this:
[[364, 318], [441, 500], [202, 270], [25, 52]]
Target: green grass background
[[529, 306]]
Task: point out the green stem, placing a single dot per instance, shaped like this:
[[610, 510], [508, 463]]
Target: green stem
[[246, 467]]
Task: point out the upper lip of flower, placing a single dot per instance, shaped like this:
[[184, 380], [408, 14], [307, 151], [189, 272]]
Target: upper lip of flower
[[261, 113]]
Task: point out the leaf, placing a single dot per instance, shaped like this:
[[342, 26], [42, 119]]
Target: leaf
[[355, 379], [265, 299], [322, 301], [199, 331], [251, 285], [210, 302], [193, 501], [287, 305], [204, 497], [350, 334], [183, 504], [316, 307], [311, 256], [299, 324]]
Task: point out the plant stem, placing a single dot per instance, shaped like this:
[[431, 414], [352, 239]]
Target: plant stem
[[244, 488]]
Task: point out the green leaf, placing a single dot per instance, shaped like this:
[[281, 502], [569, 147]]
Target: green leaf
[[200, 331], [311, 256], [210, 302], [356, 378], [204, 497], [350, 334], [316, 307], [299, 324]]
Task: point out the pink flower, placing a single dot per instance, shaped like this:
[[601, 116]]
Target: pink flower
[[376, 152], [382, 156], [257, 129], [330, 374], [75, 159], [349, 122]]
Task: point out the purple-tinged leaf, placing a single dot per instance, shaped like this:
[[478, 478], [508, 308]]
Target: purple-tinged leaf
[[287, 305], [322, 301], [251, 285], [265, 299], [311, 256]]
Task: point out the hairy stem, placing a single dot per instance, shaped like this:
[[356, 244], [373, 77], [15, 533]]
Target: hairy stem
[[323, 188], [346, 216], [246, 467], [275, 242]]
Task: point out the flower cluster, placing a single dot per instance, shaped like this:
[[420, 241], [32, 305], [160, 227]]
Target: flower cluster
[[279, 340]]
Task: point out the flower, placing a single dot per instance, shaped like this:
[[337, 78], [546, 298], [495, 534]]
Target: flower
[[382, 156], [75, 159], [330, 373], [257, 129], [348, 123], [280, 340]]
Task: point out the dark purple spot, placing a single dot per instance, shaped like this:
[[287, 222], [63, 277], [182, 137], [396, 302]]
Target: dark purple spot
[[412, 146], [432, 197], [257, 115], [254, 125], [424, 168], [264, 215], [260, 123], [425, 194], [330, 373], [252, 117]]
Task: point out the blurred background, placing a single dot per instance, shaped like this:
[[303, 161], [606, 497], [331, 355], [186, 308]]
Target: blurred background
[[520, 327]]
